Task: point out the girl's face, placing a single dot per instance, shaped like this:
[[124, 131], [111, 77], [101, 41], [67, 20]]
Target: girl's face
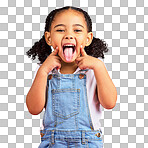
[[68, 33]]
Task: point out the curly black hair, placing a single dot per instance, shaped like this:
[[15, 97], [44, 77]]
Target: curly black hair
[[43, 50]]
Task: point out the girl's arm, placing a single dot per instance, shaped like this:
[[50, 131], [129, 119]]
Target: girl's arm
[[35, 98], [106, 90], [107, 93]]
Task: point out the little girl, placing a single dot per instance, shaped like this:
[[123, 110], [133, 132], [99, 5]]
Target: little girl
[[71, 82]]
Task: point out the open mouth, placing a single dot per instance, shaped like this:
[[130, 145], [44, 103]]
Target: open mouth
[[69, 46], [69, 51]]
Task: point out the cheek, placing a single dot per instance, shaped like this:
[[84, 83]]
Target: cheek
[[81, 39], [55, 41]]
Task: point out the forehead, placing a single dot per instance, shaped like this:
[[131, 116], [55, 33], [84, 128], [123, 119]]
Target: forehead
[[71, 16]]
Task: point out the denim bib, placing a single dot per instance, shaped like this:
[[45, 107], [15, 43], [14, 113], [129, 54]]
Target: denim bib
[[67, 121]]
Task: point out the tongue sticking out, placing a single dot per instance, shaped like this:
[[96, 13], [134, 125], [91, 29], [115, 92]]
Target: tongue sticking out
[[68, 53]]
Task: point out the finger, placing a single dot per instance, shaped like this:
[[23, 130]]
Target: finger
[[58, 58], [55, 51], [58, 66], [79, 59], [81, 66], [79, 63], [82, 51]]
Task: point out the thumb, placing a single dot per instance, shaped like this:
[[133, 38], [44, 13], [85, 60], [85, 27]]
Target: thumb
[[82, 51], [55, 51]]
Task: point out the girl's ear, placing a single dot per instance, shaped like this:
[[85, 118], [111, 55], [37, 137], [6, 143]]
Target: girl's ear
[[89, 38], [47, 38]]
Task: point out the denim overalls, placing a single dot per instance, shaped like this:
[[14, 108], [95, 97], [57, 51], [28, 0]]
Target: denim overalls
[[67, 122]]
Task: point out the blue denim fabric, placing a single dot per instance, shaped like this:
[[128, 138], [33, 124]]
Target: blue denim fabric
[[67, 121]]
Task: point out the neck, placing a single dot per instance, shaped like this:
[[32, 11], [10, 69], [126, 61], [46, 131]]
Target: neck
[[67, 68]]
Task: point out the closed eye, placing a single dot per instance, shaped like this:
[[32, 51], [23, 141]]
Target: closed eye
[[60, 30], [78, 30]]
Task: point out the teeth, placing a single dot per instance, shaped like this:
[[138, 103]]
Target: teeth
[[68, 45]]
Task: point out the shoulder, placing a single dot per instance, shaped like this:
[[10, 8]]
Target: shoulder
[[100, 59], [36, 70]]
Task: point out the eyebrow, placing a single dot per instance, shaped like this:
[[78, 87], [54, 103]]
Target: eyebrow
[[59, 25], [72, 25], [78, 25]]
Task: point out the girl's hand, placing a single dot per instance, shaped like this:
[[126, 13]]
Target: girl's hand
[[86, 61], [51, 62]]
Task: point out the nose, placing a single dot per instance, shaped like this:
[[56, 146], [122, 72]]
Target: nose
[[68, 37]]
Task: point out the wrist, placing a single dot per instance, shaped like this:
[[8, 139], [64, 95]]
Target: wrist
[[42, 71], [97, 65]]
